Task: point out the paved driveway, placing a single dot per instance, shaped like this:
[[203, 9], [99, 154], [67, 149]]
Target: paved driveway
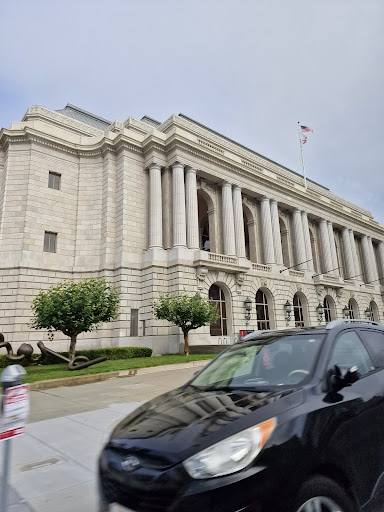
[[54, 463]]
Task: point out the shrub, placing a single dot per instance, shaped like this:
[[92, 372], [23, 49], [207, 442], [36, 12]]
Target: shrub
[[111, 353]]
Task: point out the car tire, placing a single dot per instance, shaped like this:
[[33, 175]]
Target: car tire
[[331, 496]]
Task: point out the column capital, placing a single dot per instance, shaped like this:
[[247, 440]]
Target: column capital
[[188, 168], [265, 198], [297, 210], [236, 187], [154, 165], [273, 200], [226, 184], [322, 221], [177, 164]]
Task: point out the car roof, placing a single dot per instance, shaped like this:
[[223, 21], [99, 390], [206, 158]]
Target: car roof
[[321, 329]]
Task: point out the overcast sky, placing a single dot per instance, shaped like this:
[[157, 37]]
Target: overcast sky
[[247, 69]]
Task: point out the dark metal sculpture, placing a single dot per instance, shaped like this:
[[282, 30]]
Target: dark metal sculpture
[[25, 351]]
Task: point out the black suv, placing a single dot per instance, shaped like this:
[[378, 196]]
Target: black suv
[[287, 421]]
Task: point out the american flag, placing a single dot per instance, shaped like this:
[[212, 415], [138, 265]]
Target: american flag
[[306, 129], [304, 139]]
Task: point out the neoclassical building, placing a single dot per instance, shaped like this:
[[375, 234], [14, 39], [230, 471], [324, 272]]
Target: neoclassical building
[[172, 206]]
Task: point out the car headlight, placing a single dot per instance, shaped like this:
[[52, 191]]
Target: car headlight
[[231, 454]]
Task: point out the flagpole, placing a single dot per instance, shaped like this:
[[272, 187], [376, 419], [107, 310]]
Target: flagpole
[[302, 157]]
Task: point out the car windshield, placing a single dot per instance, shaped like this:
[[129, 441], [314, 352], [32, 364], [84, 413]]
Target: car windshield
[[262, 364]]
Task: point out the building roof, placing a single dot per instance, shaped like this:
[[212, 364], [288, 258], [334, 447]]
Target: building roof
[[85, 117]]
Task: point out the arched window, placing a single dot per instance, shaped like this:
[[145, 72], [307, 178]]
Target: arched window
[[219, 327], [298, 311], [352, 309], [374, 311], [262, 313], [327, 311]]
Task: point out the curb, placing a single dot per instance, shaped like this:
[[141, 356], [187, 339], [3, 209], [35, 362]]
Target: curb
[[98, 377]]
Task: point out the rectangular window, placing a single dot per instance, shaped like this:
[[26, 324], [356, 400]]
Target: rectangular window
[[143, 327], [50, 240], [134, 322], [54, 180]]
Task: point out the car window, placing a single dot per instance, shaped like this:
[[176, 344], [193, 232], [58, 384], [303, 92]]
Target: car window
[[350, 350], [278, 361], [375, 343]]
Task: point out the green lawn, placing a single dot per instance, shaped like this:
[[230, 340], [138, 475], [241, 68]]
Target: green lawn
[[57, 371]]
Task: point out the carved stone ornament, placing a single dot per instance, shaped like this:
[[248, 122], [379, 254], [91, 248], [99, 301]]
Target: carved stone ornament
[[352, 295], [201, 274], [208, 187], [299, 288], [239, 278], [116, 127], [339, 293], [320, 290]]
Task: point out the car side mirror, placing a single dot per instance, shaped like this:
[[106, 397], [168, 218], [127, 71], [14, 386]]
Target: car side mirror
[[341, 376]]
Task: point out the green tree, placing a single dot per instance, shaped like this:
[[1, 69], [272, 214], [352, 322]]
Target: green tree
[[186, 311], [73, 307]]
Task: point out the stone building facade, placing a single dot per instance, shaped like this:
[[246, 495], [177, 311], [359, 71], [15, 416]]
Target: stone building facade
[[173, 206]]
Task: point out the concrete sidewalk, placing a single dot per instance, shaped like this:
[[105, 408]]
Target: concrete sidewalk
[[54, 463]]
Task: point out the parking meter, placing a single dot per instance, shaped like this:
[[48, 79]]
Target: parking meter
[[11, 376]]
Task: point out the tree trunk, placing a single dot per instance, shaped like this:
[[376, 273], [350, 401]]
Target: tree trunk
[[186, 344], [72, 347]]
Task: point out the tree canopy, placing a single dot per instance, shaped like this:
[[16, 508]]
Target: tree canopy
[[186, 311], [73, 307]]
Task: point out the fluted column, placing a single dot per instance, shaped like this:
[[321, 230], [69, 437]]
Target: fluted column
[[238, 221], [373, 259], [381, 259], [179, 220], [333, 248], [325, 246], [276, 232], [356, 265], [191, 209], [228, 220], [298, 234], [366, 259], [266, 229], [348, 255], [155, 207], [307, 241]]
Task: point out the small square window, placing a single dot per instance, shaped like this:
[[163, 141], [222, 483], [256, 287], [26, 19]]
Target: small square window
[[50, 240], [54, 180]]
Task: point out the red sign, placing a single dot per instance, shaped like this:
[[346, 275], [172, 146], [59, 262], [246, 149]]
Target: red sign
[[15, 410]]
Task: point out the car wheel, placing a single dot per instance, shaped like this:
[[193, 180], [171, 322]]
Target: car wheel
[[320, 494]]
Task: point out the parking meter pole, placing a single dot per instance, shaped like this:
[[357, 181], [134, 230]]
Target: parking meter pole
[[4, 475], [13, 375]]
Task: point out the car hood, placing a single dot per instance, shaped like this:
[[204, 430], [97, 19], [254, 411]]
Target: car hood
[[183, 421]]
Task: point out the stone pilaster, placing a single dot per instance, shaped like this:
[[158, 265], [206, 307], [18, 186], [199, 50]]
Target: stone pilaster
[[307, 241], [276, 232], [191, 209], [155, 207], [332, 245], [373, 259], [179, 218], [366, 259], [298, 234], [228, 220], [238, 221], [354, 255], [349, 270], [325, 247], [266, 231], [381, 260]]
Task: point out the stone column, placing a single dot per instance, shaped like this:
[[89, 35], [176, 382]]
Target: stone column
[[381, 259], [228, 220], [239, 221], [373, 259], [332, 244], [307, 241], [191, 209], [266, 228], [325, 246], [179, 220], [354, 255], [276, 232], [298, 234], [366, 259], [348, 256], [155, 207]]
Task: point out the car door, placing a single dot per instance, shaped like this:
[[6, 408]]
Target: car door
[[359, 437]]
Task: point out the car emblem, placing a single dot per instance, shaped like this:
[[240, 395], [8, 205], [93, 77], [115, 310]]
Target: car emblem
[[130, 463]]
